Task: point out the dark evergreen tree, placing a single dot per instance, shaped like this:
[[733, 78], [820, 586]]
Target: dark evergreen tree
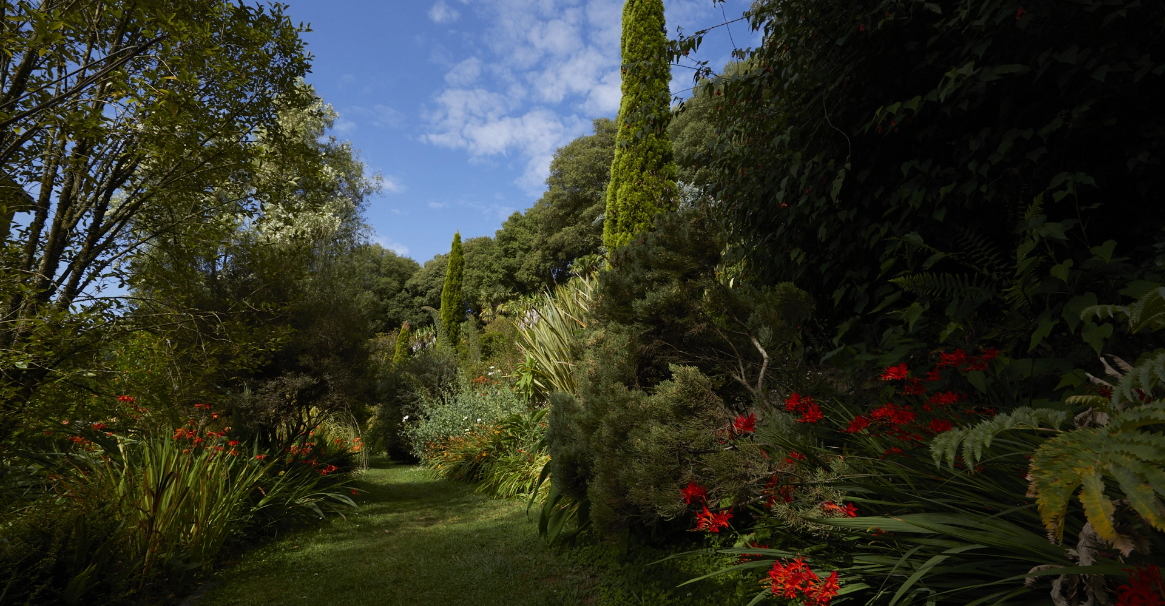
[[452, 307]]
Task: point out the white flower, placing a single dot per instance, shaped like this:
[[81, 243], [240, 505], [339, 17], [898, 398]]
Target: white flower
[[406, 418], [479, 420]]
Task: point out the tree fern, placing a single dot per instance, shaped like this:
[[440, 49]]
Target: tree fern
[[974, 439]]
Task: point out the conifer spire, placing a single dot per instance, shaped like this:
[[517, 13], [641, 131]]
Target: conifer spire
[[643, 173]]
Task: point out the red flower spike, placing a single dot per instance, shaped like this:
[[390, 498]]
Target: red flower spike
[[1144, 588], [894, 373], [694, 491], [743, 424], [952, 360], [355, 492], [913, 387], [811, 414], [857, 424], [940, 425], [712, 522]]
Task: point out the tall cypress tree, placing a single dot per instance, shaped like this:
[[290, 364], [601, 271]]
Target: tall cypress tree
[[643, 173], [452, 310], [402, 344]]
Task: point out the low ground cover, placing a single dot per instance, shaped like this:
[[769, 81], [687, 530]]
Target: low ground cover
[[416, 541]]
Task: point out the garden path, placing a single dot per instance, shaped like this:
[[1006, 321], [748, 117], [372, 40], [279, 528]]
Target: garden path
[[417, 541]]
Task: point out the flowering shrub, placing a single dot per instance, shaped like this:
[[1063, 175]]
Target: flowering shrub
[[459, 412]]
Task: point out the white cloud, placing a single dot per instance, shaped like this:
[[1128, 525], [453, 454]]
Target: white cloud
[[342, 126], [540, 71], [464, 73], [392, 184], [443, 13], [392, 245], [380, 116], [437, 205], [347, 78]]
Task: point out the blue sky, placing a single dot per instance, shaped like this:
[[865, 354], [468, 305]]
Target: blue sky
[[460, 104]]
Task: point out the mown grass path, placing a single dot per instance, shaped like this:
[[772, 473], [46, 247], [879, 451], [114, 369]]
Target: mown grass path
[[417, 541]]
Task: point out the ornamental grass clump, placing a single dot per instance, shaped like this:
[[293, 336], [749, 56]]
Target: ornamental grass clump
[[143, 513]]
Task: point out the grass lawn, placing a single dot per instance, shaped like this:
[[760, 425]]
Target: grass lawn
[[417, 542]]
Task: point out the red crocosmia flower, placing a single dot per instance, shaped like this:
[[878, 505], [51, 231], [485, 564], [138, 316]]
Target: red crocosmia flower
[[952, 360], [890, 413], [233, 443], [712, 522], [933, 375], [849, 511], [260, 457], [1020, 13], [793, 454], [976, 365], [1144, 588], [822, 593], [913, 387], [98, 426], [892, 449], [744, 424], [894, 373], [944, 398], [796, 402], [694, 491], [939, 425], [793, 578], [811, 414], [355, 492], [857, 424], [989, 354]]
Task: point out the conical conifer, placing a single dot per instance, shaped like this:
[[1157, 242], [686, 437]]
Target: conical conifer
[[643, 173], [402, 344], [452, 310]]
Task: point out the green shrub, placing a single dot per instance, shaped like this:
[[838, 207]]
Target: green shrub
[[402, 389], [459, 410], [505, 458], [59, 551]]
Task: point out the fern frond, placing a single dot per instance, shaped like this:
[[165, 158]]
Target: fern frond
[[974, 439], [1090, 401], [1137, 385], [1019, 294], [980, 253], [1035, 208], [1082, 458], [1146, 313], [944, 285]]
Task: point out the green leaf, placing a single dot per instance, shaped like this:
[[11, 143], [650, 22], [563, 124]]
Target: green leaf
[[1095, 335]]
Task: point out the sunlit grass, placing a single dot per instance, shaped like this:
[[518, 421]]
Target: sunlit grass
[[418, 542]]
